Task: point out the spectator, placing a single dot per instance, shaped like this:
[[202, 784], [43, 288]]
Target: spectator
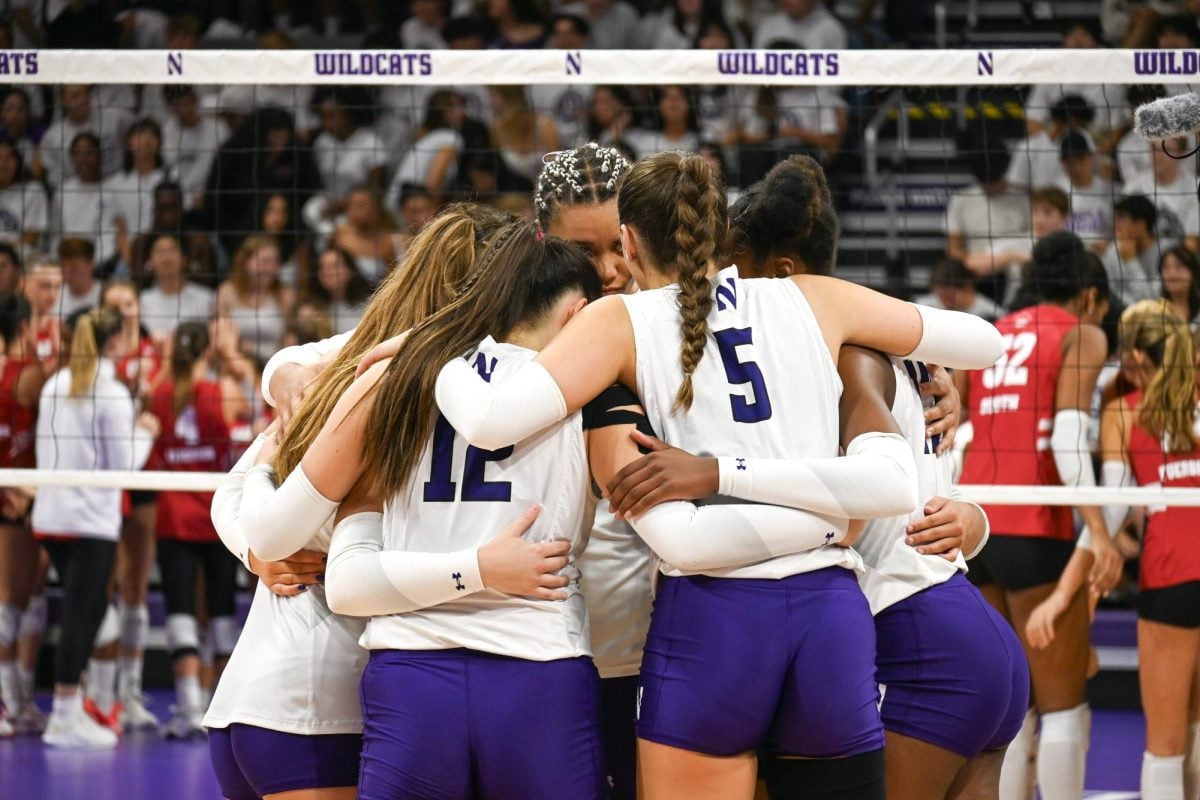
[[75, 210], [519, 24], [172, 298], [423, 30], [23, 204], [78, 116], [190, 141], [309, 325], [613, 24], [1172, 187], [279, 221], [678, 25], [1178, 32], [43, 287], [12, 274], [127, 202], [77, 258], [367, 234], [182, 33], [1132, 23], [1091, 196], [348, 152], [1179, 270], [611, 114], [1050, 211], [416, 210], [987, 222], [1111, 113], [1133, 157], [806, 22], [433, 160], [19, 129], [249, 100], [521, 136], [200, 251], [952, 287], [717, 106], [1132, 258], [789, 120], [567, 103], [255, 299], [1036, 160], [338, 290], [138, 368], [675, 124]]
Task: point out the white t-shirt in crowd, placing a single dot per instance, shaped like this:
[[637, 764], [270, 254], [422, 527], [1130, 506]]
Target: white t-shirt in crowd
[[162, 312], [1036, 162], [813, 108], [568, 106], [76, 211], [23, 209], [819, 30], [1091, 217], [346, 164], [130, 196], [419, 160], [109, 127], [647, 143], [416, 35], [618, 28], [1112, 109], [982, 220], [1178, 209], [191, 151], [69, 303]]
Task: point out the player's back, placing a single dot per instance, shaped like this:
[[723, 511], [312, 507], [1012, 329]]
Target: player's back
[[766, 387], [458, 498], [1012, 412]]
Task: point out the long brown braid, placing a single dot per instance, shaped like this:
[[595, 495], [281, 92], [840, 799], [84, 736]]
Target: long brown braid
[[677, 209]]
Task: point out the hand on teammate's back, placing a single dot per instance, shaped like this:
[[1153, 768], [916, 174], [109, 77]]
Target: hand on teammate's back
[[385, 349], [512, 564], [289, 387], [666, 473], [943, 417], [291, 576], [941, 532]]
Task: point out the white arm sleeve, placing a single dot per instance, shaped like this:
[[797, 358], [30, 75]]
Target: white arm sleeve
[[364, 580], [876, 478], [956, 494], [956, 340], [304, 354], [1116, 473], [491, 416], [227, 504], [278, 522], [694, 539], [1072, 456]]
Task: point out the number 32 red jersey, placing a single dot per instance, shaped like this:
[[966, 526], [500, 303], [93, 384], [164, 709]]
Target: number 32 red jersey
[[1012, 411]]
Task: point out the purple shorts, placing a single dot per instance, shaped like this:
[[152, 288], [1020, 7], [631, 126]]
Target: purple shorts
[[455, 724], [251, 762], [951, 670], [785, 666]]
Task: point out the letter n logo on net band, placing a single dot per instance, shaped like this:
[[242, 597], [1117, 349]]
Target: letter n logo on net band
[[175, 63], [985, 63], [574, 62]]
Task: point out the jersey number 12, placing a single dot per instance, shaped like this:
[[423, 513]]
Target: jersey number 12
[[441, 488]]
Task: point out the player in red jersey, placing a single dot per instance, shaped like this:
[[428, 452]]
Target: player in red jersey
[[43, 288], [1149, 438], [1030, 415], [195, 438]]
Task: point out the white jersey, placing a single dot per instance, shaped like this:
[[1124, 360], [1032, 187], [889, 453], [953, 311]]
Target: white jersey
[[766, 387], [297, 665], [616, 571], [458, 498], [895, 570]]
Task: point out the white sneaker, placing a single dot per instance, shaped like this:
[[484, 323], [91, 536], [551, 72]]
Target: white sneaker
[[74, 728], [185, 723], [29, 719], [6, 727], [135, 716]]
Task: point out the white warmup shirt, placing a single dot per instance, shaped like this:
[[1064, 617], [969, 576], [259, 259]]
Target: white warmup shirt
[[766, 374], [94, 431], [297, 666]]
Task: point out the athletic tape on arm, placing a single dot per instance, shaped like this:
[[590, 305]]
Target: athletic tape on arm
[[876, 478], [364, 580], [956, 340], [695, 539], [227, 504], [491, 416], [278, 522]]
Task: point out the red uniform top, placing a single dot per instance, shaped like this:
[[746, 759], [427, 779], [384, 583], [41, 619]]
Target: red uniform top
[[1171, 546], [48, 341], [195, 440], [129, 367], [1012, 412], [17, 424]]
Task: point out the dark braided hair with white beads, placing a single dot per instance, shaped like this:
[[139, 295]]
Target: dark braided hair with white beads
[[587, 175]]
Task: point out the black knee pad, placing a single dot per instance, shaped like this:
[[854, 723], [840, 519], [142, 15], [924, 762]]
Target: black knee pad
[[852, 778]]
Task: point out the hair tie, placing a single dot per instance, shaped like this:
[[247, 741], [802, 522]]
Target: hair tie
[[539, 236]]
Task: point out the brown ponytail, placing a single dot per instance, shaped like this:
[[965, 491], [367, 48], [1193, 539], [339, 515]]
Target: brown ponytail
[[1168, 408], [188, 346], [677, 208], [92, 332]]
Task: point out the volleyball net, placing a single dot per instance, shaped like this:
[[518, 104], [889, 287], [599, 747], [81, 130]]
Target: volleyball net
[[270, 190]]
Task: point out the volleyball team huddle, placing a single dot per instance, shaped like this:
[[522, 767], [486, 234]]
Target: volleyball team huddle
[[557, 428]]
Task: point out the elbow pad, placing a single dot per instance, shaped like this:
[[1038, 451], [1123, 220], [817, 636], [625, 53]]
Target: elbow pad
[[1069, 442], [492, 416], [364, 580], [956, 340], [694, 539], [278, 522], [1116, 473], [876, 478]]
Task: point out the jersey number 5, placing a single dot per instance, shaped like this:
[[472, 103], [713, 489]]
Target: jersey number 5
[[440, 488], [1010, 370], [738, 372]]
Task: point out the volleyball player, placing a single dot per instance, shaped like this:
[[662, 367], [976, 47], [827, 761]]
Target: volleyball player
[[87, 421], [702, 716], [1149, 438], [1030, 415], [956, 688], [195, 437]]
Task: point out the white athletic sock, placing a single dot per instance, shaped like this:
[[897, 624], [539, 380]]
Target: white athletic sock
[[1062, 753], [27, 679], [1014, 774], [1191, 763], [102, 682], [129, 677], [187, 692], [68, 704], [10, 686], [1162, 777]]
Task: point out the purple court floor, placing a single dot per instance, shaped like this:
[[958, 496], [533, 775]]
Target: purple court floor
[[146, 767]]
